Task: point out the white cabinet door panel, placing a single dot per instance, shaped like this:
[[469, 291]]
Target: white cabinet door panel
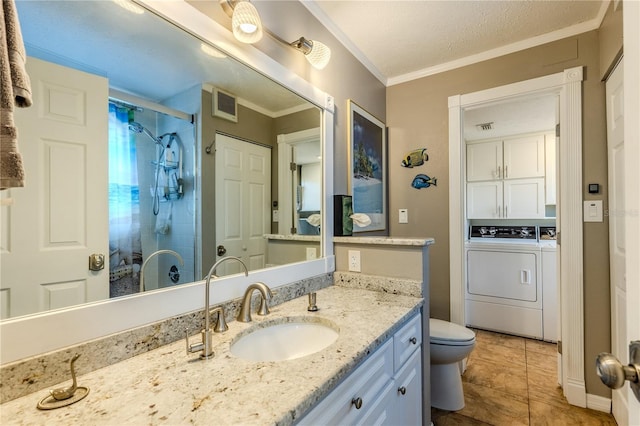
[[524, 157], [484, 200], [484, 161], [524, 198]]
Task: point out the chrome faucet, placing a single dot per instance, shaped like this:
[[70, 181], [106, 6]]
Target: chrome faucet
[[206, 344], [245, 308], [155, 253]]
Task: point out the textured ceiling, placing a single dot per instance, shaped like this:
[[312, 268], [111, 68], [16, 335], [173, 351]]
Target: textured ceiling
[[400, 40]]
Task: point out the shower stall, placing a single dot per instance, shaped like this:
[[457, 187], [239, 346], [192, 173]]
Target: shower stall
[[151, 198]]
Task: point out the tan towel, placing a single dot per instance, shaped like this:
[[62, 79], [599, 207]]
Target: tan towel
[[15, 90]]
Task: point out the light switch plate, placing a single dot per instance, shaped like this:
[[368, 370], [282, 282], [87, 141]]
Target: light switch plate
[[592, 211], [403, 216]]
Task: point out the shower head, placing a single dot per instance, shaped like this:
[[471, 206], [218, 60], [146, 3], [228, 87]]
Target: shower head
[[136, 127]]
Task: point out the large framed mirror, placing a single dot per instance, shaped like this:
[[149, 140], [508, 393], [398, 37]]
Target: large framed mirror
[[161, 87]]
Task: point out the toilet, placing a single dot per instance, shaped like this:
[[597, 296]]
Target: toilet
[[449, 344]]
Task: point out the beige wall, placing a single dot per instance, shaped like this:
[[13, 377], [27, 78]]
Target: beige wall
[[281, 252], [610, 39], [383, 260], [417, 116]]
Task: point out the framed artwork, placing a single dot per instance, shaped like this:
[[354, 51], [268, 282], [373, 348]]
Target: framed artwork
[[367, 170]]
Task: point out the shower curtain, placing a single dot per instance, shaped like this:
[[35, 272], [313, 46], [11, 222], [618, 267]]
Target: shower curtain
[[125, 247]]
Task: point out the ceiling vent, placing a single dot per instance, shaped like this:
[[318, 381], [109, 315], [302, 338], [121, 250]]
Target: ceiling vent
[[485, 126], [224, 105]]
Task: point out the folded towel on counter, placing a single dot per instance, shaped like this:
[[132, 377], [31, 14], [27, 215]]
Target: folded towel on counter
[[15, 91]]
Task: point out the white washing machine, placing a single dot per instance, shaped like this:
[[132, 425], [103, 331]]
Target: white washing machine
[[503, 291]]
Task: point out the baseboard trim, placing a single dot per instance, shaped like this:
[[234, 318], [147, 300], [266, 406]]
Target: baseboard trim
[[575, 393], [599, 403]]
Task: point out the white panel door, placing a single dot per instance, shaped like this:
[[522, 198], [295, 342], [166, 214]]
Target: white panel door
[[524, 157], [617, 250], [59, 218], [243, 197], [484, 161]]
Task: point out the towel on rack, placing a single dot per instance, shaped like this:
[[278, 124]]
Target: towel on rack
[[15, 91]]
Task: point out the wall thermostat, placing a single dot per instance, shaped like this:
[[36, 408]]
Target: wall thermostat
[[594, 188]]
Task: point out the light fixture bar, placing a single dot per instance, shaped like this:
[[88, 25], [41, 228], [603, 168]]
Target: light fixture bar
[[247, 28]]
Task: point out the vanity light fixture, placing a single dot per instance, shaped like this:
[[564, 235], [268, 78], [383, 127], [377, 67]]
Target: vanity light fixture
[[247, 28], [245, 20], [318, 54]]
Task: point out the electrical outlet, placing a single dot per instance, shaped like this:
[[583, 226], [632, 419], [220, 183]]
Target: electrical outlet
[[311, 253], [354, 260]]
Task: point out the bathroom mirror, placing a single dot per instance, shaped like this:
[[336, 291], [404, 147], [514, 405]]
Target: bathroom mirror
[[171, 93]]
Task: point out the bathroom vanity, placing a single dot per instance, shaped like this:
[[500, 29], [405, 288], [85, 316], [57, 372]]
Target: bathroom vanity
[[167, 386]]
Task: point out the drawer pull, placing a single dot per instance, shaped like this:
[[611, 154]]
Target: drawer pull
[[402, 390], [413, 340], [357, 402]]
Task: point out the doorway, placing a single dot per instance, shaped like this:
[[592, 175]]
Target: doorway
[[567, 86]]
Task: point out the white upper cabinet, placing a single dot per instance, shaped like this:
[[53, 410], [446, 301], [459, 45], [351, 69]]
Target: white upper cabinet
[[524, 157], [550, 168], [484, 161], [517, 158], [506, 178]]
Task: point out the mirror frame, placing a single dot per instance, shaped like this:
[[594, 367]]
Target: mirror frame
[[57, 329]]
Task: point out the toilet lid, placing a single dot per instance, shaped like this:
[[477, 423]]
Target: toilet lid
[[446, 332]]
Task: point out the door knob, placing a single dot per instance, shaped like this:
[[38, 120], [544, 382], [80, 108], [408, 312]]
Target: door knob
[[222, 250], [96, 262], [614, 374]]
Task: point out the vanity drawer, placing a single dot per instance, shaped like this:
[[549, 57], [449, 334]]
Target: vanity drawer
[[366, 383], [406, 341]]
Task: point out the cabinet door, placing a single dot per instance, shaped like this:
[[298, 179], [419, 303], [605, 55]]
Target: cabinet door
[[484, 200], [524, 198], [406, 408], [550, 169], [484, 161], [369, 382], [524, 157]]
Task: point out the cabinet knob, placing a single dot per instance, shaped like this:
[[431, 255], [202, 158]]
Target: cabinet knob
[[357, 402], [402, 390], [413, 340]]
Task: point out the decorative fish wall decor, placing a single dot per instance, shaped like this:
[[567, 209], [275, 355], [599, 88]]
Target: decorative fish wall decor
[[423, 181], [415, 158]]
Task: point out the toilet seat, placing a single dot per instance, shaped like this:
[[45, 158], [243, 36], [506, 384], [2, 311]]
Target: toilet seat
[[447, 333]]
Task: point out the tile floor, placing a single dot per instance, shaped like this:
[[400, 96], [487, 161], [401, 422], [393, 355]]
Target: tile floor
[[512, 381]]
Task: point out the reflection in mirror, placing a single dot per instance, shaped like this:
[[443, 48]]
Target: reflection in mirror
[[123, 110]]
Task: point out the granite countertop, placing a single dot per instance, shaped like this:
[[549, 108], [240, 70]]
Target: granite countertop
[[386, 241], [292, 237], [167, 386]]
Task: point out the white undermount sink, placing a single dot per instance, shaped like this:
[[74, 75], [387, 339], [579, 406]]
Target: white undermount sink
[[284, 339]]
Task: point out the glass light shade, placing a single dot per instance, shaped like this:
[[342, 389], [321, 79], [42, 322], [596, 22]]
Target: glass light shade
[[319, 55], [246, 24]]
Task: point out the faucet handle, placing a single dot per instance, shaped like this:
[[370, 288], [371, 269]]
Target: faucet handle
[[193, 347], [221, 324]]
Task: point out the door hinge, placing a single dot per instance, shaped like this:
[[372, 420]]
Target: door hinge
[[293, 166], [558, 130], [560, 347], [294, 230], [558, 238]]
